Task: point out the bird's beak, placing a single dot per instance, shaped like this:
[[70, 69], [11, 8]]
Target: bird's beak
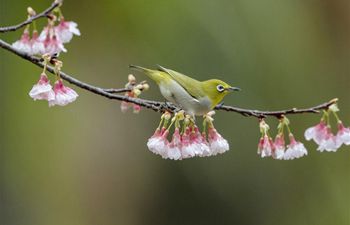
[[233, 89]]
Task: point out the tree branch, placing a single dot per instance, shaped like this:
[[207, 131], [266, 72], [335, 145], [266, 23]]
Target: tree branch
[[154, 105], [45, 13], [160, 106]]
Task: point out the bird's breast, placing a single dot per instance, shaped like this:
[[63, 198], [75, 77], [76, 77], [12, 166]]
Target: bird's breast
[[175, 93]]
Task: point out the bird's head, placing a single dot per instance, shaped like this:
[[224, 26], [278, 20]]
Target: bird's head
[[216, 90]]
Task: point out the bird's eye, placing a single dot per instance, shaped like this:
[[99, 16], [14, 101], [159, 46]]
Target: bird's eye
[[220, 88]]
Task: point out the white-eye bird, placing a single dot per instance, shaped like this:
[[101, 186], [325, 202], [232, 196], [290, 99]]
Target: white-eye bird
[[193, 96]]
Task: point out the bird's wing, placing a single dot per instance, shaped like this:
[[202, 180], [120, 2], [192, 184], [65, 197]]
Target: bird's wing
[[192, 86]]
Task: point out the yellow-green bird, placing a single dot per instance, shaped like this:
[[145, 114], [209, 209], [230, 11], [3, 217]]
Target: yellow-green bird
[[193, 96]]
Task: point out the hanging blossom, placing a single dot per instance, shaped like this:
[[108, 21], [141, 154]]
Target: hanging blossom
[[63, 94], [24, 43], [59, 94], [277, 149], [51, 38], [135, 92], [266, 145], [280, 147], [295, 149], [217, 144], [322, 134], [53, 45], [66, 29], [42, 90], [186, 141], [37, 46]]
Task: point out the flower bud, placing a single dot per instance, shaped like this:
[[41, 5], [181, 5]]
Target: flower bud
[[334, 108], [167, 116], [60, 2], [139, 86], [131, 78], [31, 11], [145, 86], [136, 91]]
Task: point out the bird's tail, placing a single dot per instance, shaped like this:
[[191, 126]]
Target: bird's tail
[[139, 68], [155, 75]]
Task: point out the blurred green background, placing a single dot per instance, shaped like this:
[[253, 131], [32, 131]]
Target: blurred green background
[[87, 163]]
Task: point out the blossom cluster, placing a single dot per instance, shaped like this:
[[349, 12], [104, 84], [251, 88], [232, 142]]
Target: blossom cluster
[[135, 91], [186, 141], [58, 95], [322, 134], [277, 148], [52, 38]]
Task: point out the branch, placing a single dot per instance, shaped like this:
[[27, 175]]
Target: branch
[[160, 106], [154, 105], [45, 13]]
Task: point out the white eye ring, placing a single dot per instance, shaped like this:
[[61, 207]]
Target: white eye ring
[[220, 88]]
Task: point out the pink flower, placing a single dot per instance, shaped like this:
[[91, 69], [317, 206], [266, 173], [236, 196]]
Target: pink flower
[[280, 147], [343, 135], [66, 29], [329, 142], [136, 108], [24, 43], [317, 133], [295, 149], [266, 146], [42, 90], [217, 143], [200, 146], [174, 147], [37, 46], [158, 142], [187, 147], [53, 45], [44, 33], [63, 95]]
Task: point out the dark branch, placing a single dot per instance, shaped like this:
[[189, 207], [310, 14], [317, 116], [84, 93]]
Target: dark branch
[[45, 13], [278, 114]]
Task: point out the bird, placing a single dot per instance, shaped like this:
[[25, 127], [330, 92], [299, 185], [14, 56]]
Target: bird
[[195, 97]]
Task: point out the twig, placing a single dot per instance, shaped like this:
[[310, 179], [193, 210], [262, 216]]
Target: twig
[[45, 13], [154, 105]]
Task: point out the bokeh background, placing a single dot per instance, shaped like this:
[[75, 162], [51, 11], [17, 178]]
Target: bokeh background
[[87, 163]]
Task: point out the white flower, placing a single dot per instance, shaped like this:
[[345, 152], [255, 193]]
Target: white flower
[[24, 43], [329, 142], [63, 95], [37, 45], [343, 135], [158, 142], [265, 146], [174, 153], [174, 147], [217, 143], [295, 149], [280, 147], [45, 33], [66, 29], [188, 150], [53, 45], [42, 90], [317, 133]]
